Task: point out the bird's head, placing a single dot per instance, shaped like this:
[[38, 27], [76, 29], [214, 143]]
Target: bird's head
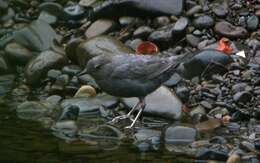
[[96, 63]]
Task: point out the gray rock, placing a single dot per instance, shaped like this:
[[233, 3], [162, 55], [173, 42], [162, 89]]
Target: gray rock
[[142, 32], [242, 97], [127, 20], [220, 10], [192, 40], [203, 21], [252, 22], [162, 103], [179, 135], [87, 3], [73, 12], [91, 105], [52, 8], [18, 54], [35, 110], [71, 70], [53, 74], [100, 27], [4, 67], [194, 10], [228, 30], [147, 139], [47, 17], [37, 36], [6, 84], [3, 6], [97, 46], [39, 66], [212, 154], [181, 25], [241, 87], [161, 21]]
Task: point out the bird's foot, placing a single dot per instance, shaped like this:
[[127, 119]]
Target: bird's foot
[[121, 117]]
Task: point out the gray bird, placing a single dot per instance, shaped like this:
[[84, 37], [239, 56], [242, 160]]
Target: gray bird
[[130, 75]]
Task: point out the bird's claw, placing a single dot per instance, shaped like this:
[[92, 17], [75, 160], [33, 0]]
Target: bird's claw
[[121, 117]]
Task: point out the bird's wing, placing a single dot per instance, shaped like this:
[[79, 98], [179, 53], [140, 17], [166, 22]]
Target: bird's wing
[[140, 67]]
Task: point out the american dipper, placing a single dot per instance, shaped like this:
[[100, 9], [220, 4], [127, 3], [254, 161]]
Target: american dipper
[[130, 75]]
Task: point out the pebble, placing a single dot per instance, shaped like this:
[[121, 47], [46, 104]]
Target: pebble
[[220, 11], [161, 21], [73, 12], [203, 22], [142, 32], [100, 27], [179, 135], [252, 22], [242, 97], [192, 40], [228, 30], [181, 25], [208, 125]]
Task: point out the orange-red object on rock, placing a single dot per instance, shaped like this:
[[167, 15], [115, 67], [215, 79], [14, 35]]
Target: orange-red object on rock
[[147, 48], [223, 45]]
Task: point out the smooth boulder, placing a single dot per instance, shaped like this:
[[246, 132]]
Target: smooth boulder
[[38, 67]]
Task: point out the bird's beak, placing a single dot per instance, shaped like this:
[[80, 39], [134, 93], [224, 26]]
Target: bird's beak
[[83, 72]]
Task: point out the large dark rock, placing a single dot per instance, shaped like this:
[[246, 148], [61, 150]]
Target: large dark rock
[[39, 66], [97, 46], [38, 36], [112, 8], [17, 53]]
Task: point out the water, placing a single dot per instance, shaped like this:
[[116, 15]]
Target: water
[[27, 142]]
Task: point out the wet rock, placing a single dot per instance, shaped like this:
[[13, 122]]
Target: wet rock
[[208, 125], [194, 10], [204, 21], [71, 70], [241, 87], [87, 3], [88, 80], [161, 21], [242, 97], [127, 20], [35, 110], [192, 40], [18, 54], [181, 25], [252, 22], [200, 64], [106, 137], [91, 105], [54, 99], [147, 139], [4, 67], [211, 154], [100, 27], [6, 84], [174, 80], [183, 93], [179, 135], [98, 46], [73, 12], [53, 74], [86, 91], [48, 18], [142, 32], [59, 85], [3, 6], [52, 8], [66, 129], [8, 15], [170, 106], [220, 10], [69, 113], [228, 30], [37, 36], [138, 8], [70, 49], [162, 36], [39, 66]]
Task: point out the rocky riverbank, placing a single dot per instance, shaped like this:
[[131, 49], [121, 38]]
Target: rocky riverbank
[[208, 110]]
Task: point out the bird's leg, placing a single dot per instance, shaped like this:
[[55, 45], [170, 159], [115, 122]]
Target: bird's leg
[[126, 115], [142, 103]]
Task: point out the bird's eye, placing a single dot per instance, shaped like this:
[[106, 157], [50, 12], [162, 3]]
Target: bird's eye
[[97, 66]]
